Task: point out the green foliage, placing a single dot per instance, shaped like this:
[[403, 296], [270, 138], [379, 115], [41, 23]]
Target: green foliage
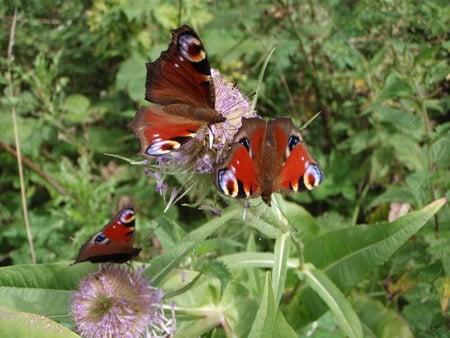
[[377, 71]]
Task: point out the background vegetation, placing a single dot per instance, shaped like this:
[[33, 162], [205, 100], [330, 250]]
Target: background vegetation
[[377, 70]]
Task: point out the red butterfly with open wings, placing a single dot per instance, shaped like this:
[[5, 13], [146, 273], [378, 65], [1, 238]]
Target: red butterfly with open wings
[[267, 157]]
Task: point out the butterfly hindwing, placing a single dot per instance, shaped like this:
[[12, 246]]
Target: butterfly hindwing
[[300, 170], [238, 176]]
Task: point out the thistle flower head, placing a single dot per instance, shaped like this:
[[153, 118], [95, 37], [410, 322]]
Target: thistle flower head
[[114, 302], [233, 106], [198, 156]]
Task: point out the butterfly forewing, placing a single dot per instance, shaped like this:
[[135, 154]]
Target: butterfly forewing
[[121, 228], [182, 73]]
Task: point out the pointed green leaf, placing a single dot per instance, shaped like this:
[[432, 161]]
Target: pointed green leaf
[[282, 327], [335, 300], [263, 325], [281, 255], [347, 255]]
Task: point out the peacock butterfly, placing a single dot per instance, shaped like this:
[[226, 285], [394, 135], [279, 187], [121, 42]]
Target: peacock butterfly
[[267, 157], [114, 243], [180, 81]]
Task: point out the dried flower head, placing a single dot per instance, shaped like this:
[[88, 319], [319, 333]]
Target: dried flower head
[[116, 302]]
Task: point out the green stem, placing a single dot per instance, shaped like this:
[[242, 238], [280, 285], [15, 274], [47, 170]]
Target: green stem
[[17, 138]]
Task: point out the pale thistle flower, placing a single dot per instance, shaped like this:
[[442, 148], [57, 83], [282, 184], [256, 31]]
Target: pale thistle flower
[[233, 106], [115, 302]]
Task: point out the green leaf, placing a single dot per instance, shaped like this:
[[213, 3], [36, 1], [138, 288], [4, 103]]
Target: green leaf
[[281, 255], [306, 226], [77, 108], [440, 152], [43, 289], [21, 324], [131, 76], [61, 276], [282, 327], [335, 300], [409, 152], [407, 123], [394, 194], [347, 255], [380, 321], [239, 310], [263, 325], [394, 90], [162, 265], [115, 136], [234, 309], [255, 283]]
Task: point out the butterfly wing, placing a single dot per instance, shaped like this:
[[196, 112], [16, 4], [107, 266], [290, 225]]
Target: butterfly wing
[[114, 243], [299, 171], [106, 252], [182, 73], [239, 174], [162, 130], [180, 80]]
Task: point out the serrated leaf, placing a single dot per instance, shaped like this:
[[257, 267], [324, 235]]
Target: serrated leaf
[[218, 270], [440, 152], [409, 152], [405, 122], [394, 90]]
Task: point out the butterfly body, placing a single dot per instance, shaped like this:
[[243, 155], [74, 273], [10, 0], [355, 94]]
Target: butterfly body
[[180, 82], [265, 158], [114, 243]]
